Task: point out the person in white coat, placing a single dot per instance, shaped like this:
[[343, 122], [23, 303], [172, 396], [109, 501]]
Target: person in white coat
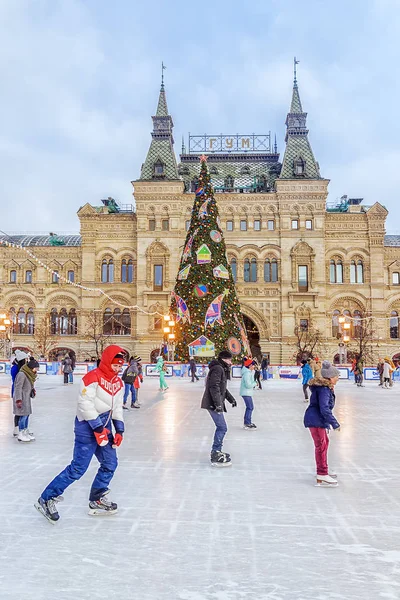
[[99, 410]]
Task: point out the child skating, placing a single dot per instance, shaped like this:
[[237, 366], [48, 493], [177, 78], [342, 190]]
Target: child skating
[[319, 419], [161, 368], [246, 391], [99, 409]]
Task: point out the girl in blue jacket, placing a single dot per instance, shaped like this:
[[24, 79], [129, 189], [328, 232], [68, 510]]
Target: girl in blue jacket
[[246, 391], [319, 419], [306, 371]]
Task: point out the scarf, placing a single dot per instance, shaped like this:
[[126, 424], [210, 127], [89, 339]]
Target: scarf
[[31, 375]]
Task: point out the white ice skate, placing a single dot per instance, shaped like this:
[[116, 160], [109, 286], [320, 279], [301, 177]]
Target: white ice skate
[[23, 436], [326, 481]]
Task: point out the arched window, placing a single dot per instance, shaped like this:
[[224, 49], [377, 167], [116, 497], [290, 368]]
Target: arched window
[[234, 269], [347, 315], [158, 169], [229, 183], [21, 320], [336, 271], [72, 322], [63, 322], [71, 276], [394, 325], [245, 171], [107, 321], [53, 321], [246, 272], [274, 270], [213, 171], [360, 272], [107, 271], [253, 270], [13, 319], [124, 271], [335, 324], [130, 271], [267, 271], [55, 277], [299, 167], [28, 276], [117, 325], [30, 322], [126, 321], [357, 324], [13, 276]]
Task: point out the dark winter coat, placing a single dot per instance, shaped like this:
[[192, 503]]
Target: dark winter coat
[[67, 365], [22, 391], [130, 373], [216, 393], [319, 413], [264, 364], [192, 366]]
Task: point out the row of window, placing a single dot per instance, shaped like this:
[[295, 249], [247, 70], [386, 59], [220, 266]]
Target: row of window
[[352, 324], [64, 322], [356, 271], [29, 278], [107, 271], [250, 270], [257, 224]]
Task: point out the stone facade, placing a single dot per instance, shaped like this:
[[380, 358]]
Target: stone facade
[[295, 260]]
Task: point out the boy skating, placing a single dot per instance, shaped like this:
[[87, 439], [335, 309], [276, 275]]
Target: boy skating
[[214, 401], [99, 408]]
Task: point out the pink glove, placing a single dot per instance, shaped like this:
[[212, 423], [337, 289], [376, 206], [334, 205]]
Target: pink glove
[[102, 438]]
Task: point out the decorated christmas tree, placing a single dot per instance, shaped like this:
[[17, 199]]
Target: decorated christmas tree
[[208, 316]]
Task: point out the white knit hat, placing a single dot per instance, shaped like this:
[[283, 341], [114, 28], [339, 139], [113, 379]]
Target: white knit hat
[[20, 355]]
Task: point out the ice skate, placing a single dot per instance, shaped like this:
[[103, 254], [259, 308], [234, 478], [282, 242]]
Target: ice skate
[[220, 459], [124, 406], [326, 481], [31, 435], [48, 508], [102, 507], [135, 405], [16, 431], [23, 436]]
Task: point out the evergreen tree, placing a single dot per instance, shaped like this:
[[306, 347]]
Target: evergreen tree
[[204, 298]]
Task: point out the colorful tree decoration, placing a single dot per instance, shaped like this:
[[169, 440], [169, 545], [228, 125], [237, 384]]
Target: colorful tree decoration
[[200, 322], [203, 209], [221, 272], [213, 314], [243, 335], [183, 313], [184, 273], [203, 255], [200, 290], [187, 253], [201, 347], [215, 236], [234, 346]]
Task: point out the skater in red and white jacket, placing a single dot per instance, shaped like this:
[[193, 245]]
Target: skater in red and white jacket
[[99, 410]]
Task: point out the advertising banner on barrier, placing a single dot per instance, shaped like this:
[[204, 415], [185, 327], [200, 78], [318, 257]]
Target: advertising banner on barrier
[[344, 372], [236, 372], [81, 368], [2, 367], [150, 371], [371, 374], [289, 372]]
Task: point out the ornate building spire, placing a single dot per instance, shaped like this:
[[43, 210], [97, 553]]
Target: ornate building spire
[[160, 163], [299, 160]]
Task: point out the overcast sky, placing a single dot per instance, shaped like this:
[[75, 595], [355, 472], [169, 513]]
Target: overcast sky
[[80, 81]]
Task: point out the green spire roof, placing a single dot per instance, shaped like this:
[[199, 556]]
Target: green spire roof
[[298, 161], [160, 163], [296, 107]]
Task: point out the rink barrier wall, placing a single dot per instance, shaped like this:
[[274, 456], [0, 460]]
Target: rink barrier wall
[[182, 370]]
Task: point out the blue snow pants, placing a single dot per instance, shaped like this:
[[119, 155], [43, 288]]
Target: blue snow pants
[[84, 449]]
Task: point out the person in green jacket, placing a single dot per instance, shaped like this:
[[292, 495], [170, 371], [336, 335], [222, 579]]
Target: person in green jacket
[[246, 391], [160, 367]]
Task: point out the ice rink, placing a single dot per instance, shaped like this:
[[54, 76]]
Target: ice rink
[[186, 531]]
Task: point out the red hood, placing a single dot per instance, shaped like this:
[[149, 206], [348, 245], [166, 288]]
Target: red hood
[[105, 364]]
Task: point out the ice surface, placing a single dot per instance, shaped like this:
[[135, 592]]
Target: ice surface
[[186, 531]]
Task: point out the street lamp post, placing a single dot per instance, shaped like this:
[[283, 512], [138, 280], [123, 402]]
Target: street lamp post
[[169, 336], [6, 329]]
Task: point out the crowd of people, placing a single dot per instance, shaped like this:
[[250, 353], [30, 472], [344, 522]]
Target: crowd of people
[[104, 395]]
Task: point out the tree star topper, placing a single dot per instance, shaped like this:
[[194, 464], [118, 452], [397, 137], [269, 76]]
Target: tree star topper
[[203, 157]]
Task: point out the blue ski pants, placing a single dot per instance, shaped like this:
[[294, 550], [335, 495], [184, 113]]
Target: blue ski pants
[[84, 450]]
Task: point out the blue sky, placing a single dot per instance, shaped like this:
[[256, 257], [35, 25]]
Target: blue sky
[[80, 81]]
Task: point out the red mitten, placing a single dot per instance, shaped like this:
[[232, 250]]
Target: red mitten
[[18, 403], [118, 439], [102, 437]]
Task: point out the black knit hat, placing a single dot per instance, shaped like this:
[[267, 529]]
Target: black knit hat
[[224, 354], [33, 363]]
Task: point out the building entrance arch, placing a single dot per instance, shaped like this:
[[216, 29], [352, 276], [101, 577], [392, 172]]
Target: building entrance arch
[[253, 335], [58, 354]]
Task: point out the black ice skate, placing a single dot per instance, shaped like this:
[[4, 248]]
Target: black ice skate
[[220, 459], [102, 507], [48, 509]]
